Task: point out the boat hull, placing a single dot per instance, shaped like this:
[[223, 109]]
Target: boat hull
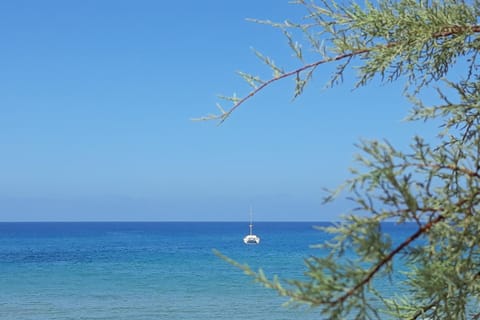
[[251, 239]]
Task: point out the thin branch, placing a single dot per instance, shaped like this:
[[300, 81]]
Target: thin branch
[[387, 259], [425, 228], [454, 30], [452, 167], [289, 74], [447, 31], [423, 310]]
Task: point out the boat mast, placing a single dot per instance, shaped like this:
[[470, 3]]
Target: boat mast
[[251, 220]]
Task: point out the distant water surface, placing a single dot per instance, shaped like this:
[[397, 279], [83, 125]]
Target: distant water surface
[[154, 270]]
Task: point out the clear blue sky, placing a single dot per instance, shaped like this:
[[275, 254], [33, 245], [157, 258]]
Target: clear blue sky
[[95, 105]]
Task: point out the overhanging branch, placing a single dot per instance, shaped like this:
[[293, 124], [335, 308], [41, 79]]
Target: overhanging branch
[[445, 32]]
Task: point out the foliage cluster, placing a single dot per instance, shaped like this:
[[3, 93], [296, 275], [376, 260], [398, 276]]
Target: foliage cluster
[[435, 184]]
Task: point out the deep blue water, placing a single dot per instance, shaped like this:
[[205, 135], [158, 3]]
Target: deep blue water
[[163, 270]]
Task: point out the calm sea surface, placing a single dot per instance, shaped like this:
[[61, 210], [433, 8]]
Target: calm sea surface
[[162, 270]]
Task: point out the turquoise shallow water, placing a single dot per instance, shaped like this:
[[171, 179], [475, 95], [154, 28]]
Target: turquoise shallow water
[[148, 270]]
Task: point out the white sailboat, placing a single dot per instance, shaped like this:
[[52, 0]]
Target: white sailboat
[[251, 238]]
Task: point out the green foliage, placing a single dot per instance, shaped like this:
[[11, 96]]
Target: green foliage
[[435, 185]]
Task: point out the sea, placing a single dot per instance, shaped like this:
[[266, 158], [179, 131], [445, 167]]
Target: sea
[[152, 270]]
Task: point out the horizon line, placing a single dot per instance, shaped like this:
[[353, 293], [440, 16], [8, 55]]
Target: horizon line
[[156, 221]]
